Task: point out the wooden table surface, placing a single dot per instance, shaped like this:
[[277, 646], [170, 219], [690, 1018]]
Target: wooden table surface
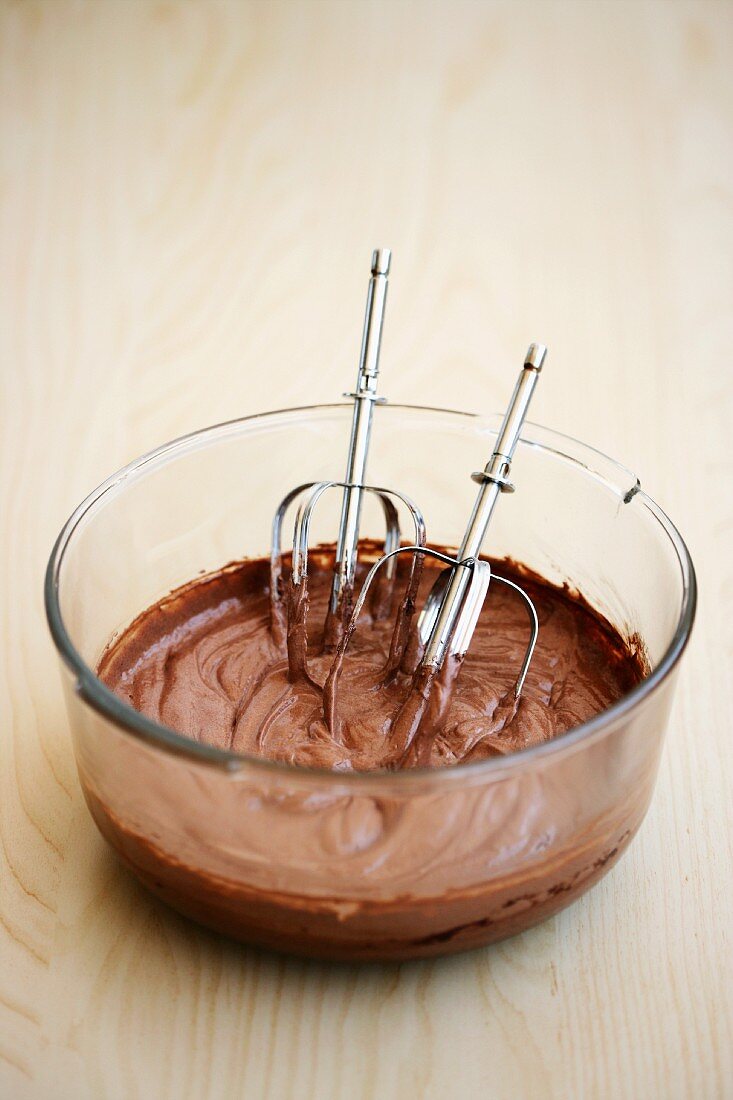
[[189, 196]]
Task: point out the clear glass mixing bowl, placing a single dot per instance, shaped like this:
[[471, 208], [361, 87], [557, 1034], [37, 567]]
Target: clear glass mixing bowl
[[366, 865]]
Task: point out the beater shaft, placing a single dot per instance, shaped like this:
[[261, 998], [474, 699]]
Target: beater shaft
[[493, 480], [364, 397]]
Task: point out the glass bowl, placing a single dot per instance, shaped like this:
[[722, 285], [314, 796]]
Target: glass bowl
[[366, 865]]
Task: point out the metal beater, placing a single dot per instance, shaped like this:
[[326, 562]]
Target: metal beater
[[353, 487], [448, 619]]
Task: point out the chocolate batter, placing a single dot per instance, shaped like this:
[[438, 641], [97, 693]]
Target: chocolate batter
[[203, 662], [375, 866]]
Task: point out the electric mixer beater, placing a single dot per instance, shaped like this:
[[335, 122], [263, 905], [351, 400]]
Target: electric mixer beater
[[354, 489]]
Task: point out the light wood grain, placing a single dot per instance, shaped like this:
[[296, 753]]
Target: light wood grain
[[189, 195]]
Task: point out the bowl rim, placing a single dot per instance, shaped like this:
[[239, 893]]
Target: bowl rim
[[97, 695]]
